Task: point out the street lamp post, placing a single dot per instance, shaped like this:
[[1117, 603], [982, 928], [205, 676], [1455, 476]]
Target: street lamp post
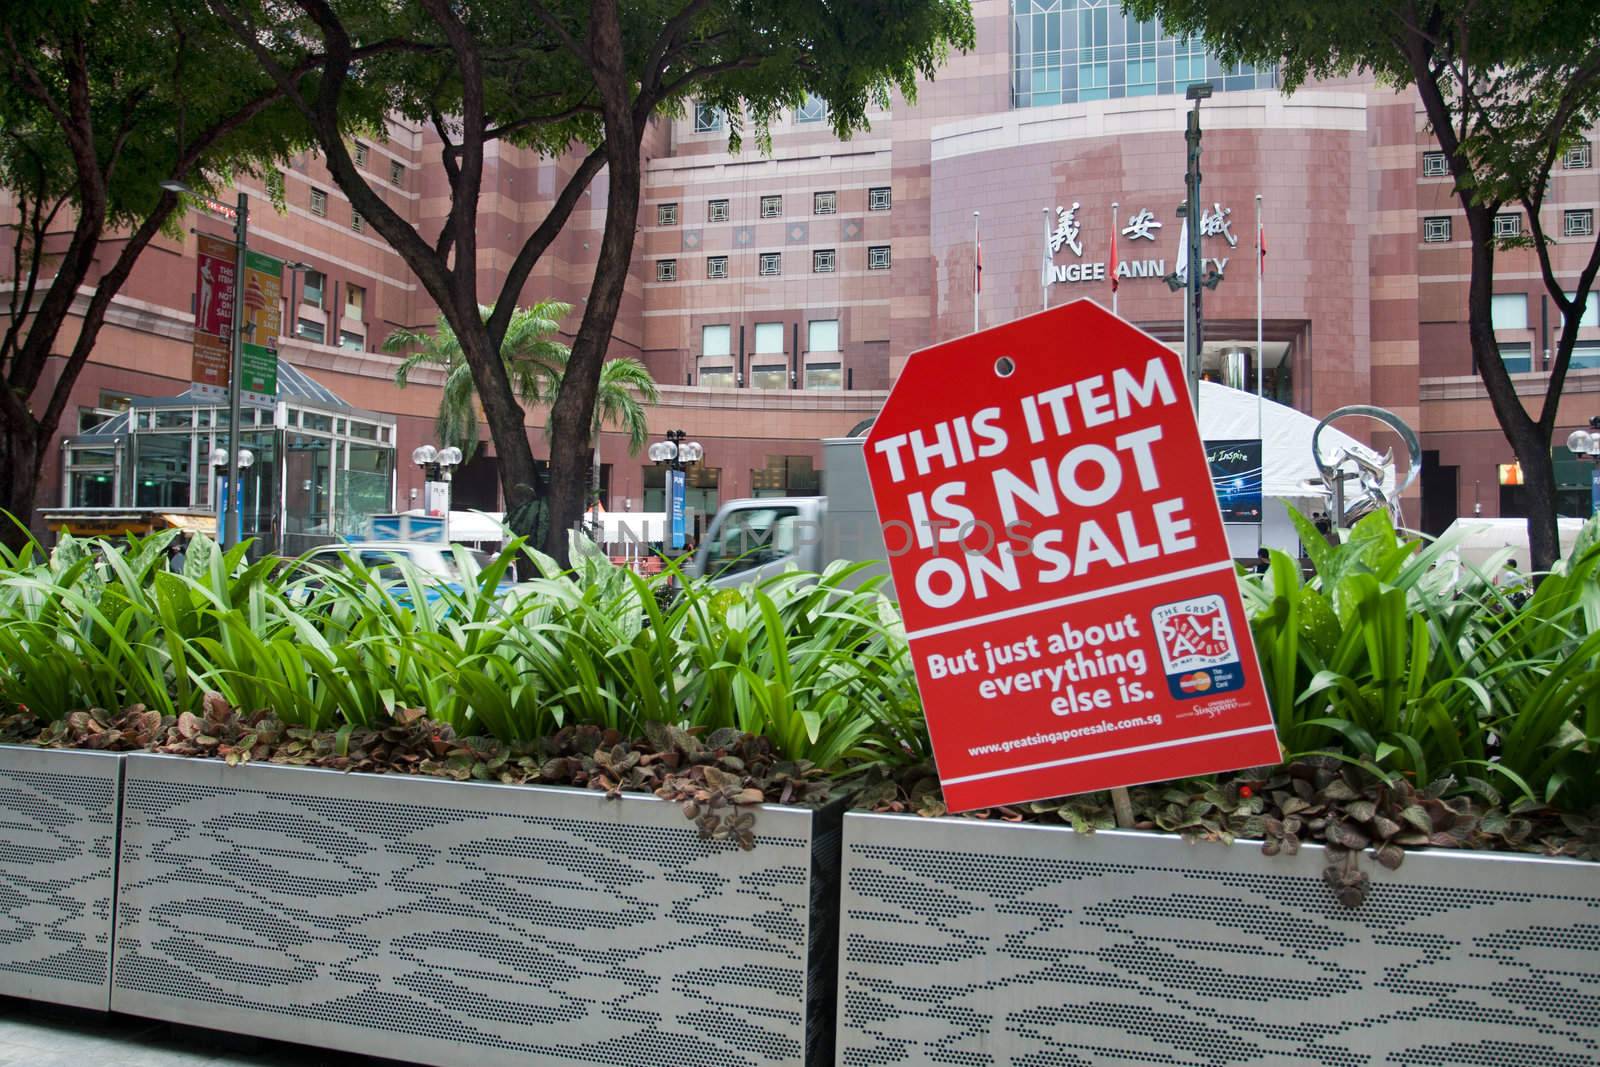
[[677, 454], [1193, 281], [436, 465], [229, 489], [1585, 444]]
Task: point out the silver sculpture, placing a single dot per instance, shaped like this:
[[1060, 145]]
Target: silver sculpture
[[1348, 464]]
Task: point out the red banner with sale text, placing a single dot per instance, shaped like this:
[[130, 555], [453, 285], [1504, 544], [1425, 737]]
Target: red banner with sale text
[[1073, 611]]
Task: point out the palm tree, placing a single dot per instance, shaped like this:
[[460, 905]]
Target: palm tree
[[536, 365], [533, 362], [625, 388]]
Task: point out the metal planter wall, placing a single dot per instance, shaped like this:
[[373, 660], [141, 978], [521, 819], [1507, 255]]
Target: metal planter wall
[[57, 874], [980, 943], [463, 923]]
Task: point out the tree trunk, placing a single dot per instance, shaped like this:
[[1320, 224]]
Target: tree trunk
[[1529, 442], [572, 414], [504, 416], [19, 486]]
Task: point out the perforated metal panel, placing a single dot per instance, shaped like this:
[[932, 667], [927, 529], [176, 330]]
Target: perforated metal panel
[[451, 923], [977, 943], [58, 849]]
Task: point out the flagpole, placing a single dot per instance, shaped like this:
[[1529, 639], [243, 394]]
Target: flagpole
[[1260, 389], [977, 271], [1044, 275], [1114, 206]]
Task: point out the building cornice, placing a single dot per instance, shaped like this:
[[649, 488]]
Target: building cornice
[[1256, 109]]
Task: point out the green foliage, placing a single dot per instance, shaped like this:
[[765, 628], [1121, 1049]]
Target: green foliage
[[1393, 655], [532, 358], [818, 669]]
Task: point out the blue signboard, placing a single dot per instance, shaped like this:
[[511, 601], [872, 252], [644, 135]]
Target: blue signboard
[[1236, 476], [675, 492], [428, 529], [1594, 490]]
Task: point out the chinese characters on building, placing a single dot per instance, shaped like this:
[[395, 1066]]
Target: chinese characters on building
[[1142, 224]]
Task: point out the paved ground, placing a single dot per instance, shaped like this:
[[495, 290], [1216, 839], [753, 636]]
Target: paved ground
[[41, 1035]]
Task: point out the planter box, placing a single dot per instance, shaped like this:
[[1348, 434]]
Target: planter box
[[980, 943], [464, 923], [58, 856]]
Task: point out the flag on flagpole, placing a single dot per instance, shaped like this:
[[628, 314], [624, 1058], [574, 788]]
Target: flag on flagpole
[[1112, 267], [1261, 243], [979, 280], [1183, 252]]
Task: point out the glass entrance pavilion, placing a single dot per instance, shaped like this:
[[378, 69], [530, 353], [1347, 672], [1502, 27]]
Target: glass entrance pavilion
[[322, 467]]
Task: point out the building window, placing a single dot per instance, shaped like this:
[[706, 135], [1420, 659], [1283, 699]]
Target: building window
[[1585, 355], [771, 263], [1508, 225], [310, 331], [311, 291], [1590, 315], [716, 341], [707, 119], [716, 348], [769, 376], [1577, 157], [355, 302], [397, 172], [1577, 223], [815, 109], [352, 341], [822, 335], [358, 221], [771, 207], [824, 376], [319, 203], [878, 199], [878, 258], [1517, 357], [717, 375], [1065, 51], [716, 211], [1509, 311], [666, 214], [1436, 230], [717, 267], [769, 338], [361, 154], [822, 261], [1435, 165], [666, 270], [825, 203]]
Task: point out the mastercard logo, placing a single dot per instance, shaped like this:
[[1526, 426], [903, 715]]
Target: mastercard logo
[[1198, 682]]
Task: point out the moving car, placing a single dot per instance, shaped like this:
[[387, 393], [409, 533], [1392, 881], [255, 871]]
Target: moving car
[[386, 559]]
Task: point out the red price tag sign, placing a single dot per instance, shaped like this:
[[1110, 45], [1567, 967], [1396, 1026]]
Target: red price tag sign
[[1061, 564]]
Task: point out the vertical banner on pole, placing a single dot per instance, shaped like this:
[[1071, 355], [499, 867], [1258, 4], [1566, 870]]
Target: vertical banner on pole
[[1111, 268], [215, 295], [263, 322], [675, 510]]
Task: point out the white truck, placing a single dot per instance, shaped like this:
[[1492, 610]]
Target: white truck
[[753, 539]]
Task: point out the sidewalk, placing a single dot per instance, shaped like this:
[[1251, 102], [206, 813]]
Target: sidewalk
[[43, 1035]]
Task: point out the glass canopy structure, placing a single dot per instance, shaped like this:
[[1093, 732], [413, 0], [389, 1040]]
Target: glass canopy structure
[[322, 467]]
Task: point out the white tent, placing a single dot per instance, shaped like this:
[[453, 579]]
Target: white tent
[[1290, 473]]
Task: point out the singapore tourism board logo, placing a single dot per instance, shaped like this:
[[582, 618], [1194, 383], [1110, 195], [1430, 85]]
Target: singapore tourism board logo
[[1198, 649]]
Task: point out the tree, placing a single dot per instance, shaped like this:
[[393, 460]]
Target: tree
[[625, 388], [535, 366], [1507, 88], [587, 78], [100, 102], [533, 362]]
